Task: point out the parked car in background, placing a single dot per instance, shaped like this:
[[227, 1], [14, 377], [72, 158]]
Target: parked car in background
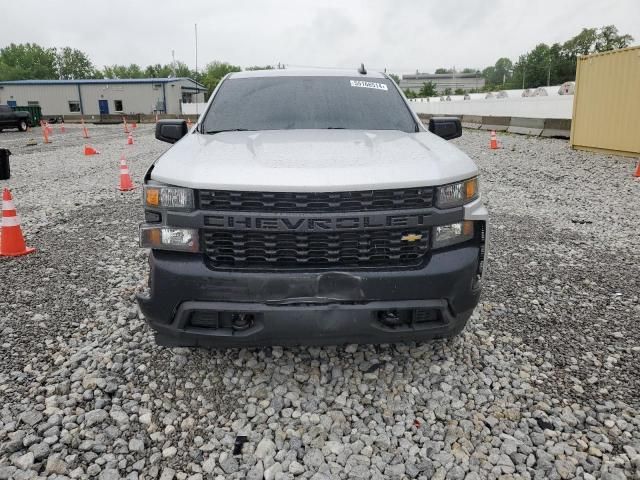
[[14, 119]]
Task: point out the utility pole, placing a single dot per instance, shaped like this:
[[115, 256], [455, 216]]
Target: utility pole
[[197, 81], [524, 73], [453, 78]]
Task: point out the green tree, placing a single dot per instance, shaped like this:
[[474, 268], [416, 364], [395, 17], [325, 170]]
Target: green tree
[[428, 89], [258, 67], [498, 74], [409, 93], [157, 71], [519, 77], [180, 69], [183, 70], [553, 64], [536, 66], [503, 70], [214, 72], [27, 61], [589, 40], [460, 91], [582, 44], [443, 70], [470, 70], [123, 71], [609, 39], [489, 75], [72, 64], [447, 91]]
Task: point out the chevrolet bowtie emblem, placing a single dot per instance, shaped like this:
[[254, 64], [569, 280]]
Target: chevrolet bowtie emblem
[[411, 237]]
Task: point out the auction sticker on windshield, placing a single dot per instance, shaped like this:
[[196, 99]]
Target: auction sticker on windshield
[[363, 84]]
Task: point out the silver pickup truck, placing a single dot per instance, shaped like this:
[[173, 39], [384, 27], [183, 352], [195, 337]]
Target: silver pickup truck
[[311, 207]]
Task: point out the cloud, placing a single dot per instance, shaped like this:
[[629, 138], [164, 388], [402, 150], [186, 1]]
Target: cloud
[[400, 35]]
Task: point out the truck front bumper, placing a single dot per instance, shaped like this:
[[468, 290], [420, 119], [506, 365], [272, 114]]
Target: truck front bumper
[[189, 304]]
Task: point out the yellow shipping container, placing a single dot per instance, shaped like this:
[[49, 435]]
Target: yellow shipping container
[[606, 105]]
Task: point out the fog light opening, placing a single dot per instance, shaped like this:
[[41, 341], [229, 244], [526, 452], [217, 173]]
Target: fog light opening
[[242, 321], [389, 318]]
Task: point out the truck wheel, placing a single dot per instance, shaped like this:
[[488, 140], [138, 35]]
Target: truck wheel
[[22, 126]]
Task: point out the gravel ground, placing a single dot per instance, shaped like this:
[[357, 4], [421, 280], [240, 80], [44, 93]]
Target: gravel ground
[[542, 384]]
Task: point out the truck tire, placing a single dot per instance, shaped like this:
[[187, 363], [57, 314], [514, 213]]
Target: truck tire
[[22, 125]]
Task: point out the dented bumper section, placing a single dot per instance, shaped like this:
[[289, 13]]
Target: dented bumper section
[[188, 303]]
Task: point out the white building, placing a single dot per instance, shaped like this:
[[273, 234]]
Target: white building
[[103, 96], [442, 81]]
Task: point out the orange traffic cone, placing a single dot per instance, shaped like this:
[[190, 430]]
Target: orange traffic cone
[[11, 239], [493, 143], [85, 132], [125, 179], [637, 172], [49, 128], [134, 125], [126, 128], [130, 139], [62, 129], [89, 150], [45, 133]]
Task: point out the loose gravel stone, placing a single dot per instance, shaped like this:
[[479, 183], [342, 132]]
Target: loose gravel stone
[[541, 384]]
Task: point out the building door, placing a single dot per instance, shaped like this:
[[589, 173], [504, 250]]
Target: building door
[[12, 103], [103, 105]]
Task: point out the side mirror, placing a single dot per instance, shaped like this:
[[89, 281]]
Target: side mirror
[[171, 130], [446, 127]]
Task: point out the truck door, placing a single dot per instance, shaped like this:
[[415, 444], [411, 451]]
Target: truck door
[[5, 114], [103, 105]]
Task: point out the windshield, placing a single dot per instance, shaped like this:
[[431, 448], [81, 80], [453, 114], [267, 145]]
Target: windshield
[[284, 103]]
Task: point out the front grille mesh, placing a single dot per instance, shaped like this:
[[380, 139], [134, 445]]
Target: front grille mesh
[[374, 248], [359, 201]]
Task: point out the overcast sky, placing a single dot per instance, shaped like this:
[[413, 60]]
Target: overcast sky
[[401, 35]]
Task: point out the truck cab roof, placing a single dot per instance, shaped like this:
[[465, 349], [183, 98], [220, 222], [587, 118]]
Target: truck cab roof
[[306, 72]]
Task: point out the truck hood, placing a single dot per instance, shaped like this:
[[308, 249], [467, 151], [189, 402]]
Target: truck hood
[[312, 160]]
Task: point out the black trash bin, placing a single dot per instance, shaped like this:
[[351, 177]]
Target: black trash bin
[[5, 171]]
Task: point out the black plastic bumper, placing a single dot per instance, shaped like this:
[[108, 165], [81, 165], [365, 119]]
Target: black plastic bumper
[[286, 308]]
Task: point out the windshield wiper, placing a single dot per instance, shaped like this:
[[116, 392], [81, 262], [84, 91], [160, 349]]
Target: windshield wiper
[[213, 132]]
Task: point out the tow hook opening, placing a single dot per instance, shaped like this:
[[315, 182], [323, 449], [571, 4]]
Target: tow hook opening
[[235, 321], [394, 318]]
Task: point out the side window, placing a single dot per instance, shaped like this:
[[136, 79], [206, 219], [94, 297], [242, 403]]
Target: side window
[[74, 107], [33, 103], [117, 105]]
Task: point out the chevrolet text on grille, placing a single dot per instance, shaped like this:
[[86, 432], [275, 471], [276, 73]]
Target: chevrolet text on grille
[[244, 222]]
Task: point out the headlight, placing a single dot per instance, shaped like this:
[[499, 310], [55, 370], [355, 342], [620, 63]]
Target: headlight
[[164, 196], [169, 238], [457, 194], [446, 235]]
